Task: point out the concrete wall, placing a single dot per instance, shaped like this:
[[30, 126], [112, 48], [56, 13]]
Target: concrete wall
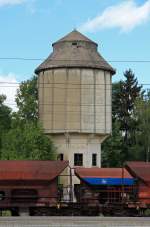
[[75, 100], [69, 144]]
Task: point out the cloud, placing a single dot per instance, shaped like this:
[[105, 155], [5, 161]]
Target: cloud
[[9, 89], [126, 16], [11, 2], [29, 4]]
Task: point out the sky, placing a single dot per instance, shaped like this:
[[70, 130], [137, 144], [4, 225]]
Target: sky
[[29, 27]]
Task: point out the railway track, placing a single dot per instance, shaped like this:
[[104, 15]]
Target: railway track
[[74, 222]]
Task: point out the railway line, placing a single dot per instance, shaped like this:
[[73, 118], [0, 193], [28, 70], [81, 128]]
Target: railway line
[[74, 221]]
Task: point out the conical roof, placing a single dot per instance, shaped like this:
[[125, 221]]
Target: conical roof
[[75, 51], [74, 36]]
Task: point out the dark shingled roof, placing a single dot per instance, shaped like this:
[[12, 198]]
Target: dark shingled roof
[[73, 36], [75, 51]]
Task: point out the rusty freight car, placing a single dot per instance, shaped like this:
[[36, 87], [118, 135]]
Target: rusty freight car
[[105, 190], [141, 171], [30, 187]]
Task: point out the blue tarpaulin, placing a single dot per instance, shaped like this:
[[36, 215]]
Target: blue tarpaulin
[[108, 181]]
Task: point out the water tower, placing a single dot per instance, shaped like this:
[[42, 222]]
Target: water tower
[[74, 85]]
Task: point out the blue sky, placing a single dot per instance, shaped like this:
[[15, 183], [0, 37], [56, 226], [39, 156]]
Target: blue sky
[[29, 27]]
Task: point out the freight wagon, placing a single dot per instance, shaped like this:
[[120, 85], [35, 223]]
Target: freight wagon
[[30, 187], [33, 188]]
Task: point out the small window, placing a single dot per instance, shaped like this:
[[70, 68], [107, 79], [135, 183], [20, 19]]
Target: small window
[[94, 159], [74, 43], [78, 159], [60, 157]]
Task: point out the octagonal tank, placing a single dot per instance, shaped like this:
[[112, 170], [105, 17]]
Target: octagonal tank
[[74, 85], [75, 88]]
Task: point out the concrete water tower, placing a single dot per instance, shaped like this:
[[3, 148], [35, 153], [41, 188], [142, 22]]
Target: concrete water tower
[[74, 85]]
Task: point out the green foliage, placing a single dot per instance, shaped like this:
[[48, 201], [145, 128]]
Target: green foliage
[[112, 148], [147, 213], [122, 146], [27, 100], [5, 115], [5, 213], [126, 98], [5, 118], [24, 137], [27, 143], [116, 90], [143, 135]]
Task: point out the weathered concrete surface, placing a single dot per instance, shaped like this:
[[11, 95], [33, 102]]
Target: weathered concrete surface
[[73, 221], [75, 101]]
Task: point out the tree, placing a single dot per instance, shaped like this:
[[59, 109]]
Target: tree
[[24, 138], [5, 115], [116, 90], [143, 135], [126, 99], [27, 100], [122, 144], [112, 148], [27, 143], [5, 118]]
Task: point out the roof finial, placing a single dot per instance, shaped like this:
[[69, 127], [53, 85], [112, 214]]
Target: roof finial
[[74, 29]]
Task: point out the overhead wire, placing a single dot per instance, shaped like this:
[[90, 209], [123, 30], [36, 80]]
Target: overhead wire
[[63, 83], [71, 111], [66, 60]]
